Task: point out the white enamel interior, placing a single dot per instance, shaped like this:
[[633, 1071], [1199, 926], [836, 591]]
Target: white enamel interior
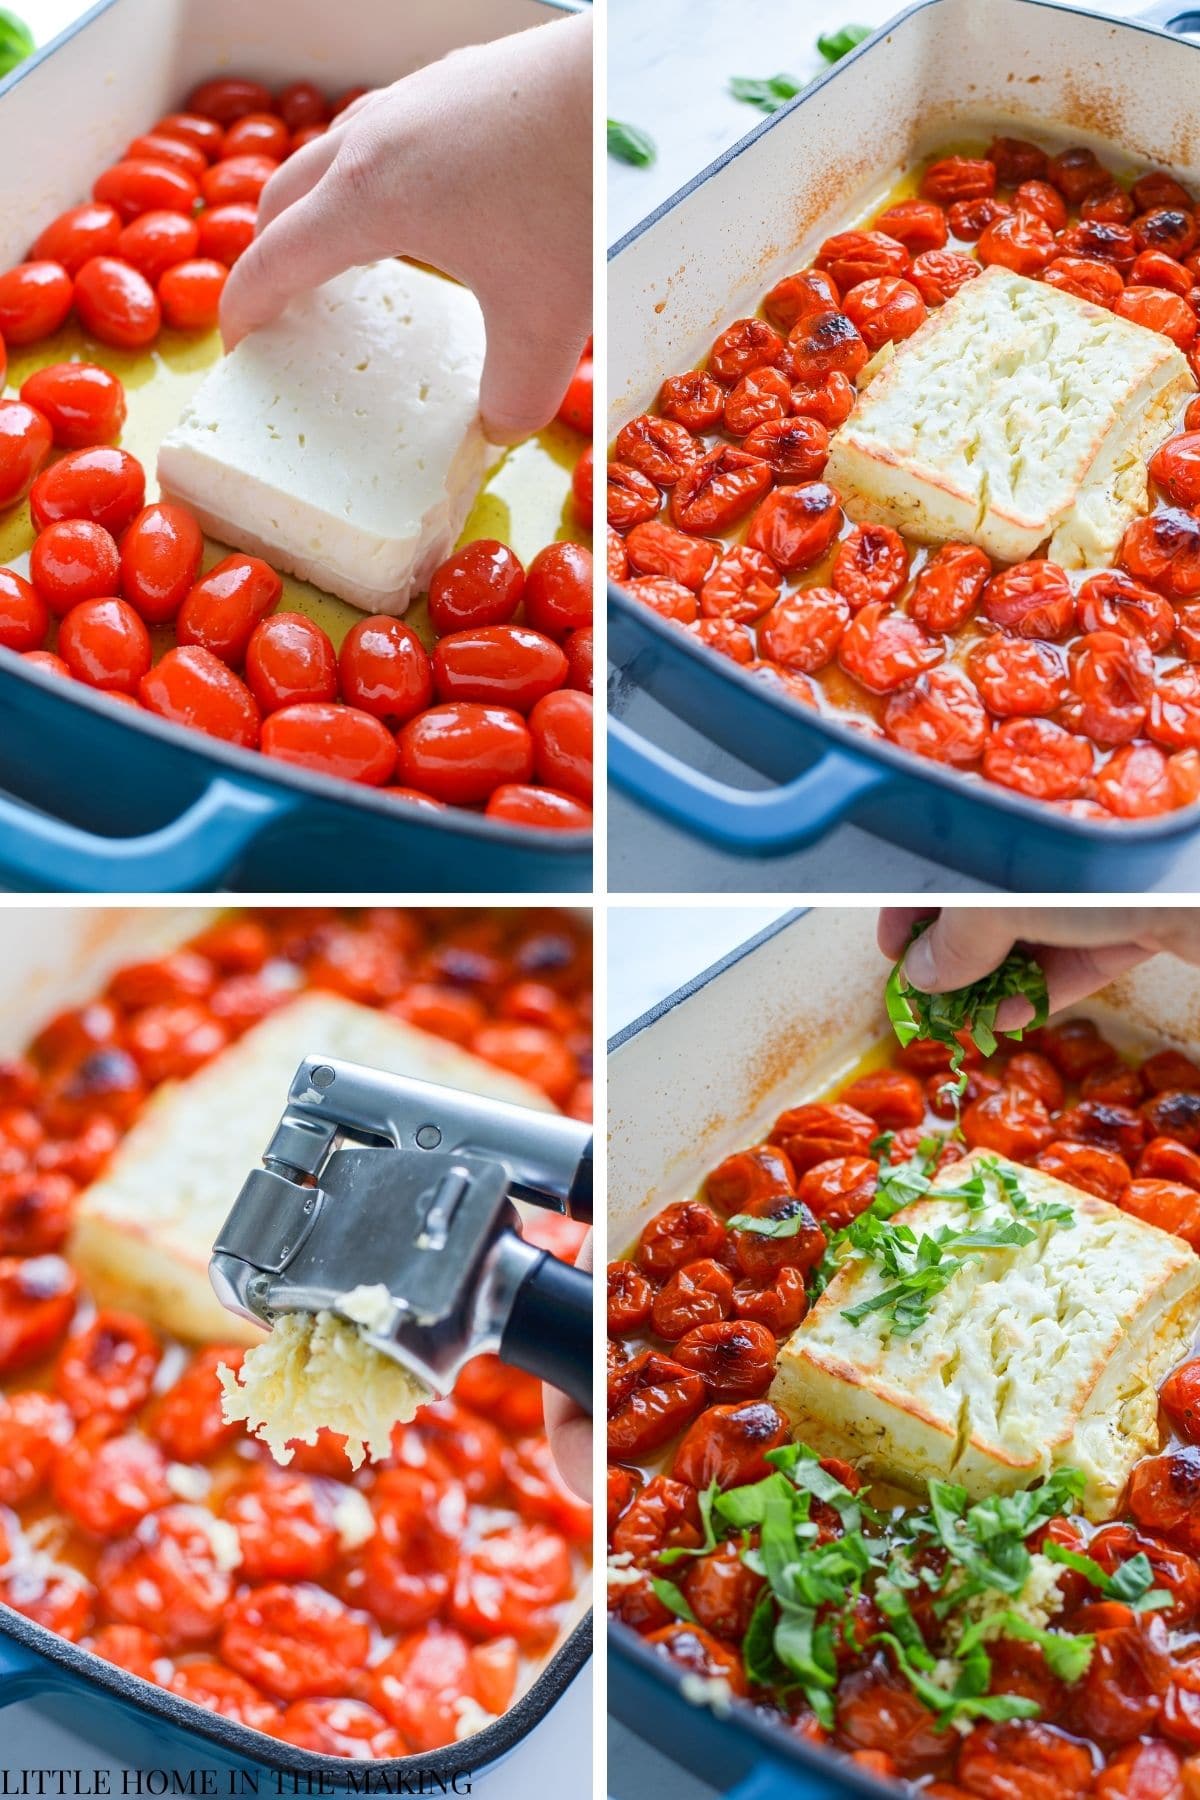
[[951, 68], [777, 1028], [136, 59]]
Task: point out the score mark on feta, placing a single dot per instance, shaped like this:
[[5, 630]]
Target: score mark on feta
[[343, 442]]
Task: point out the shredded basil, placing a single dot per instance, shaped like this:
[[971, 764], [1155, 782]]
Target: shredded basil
[[16, 41], [630, 144], [833, 45], [767, 93]]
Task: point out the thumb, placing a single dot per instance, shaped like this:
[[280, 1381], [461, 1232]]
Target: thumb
[[958, 948], [526, 371]]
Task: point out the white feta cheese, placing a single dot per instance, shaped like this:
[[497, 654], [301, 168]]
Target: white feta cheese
[[342, 442], [1016, 415]]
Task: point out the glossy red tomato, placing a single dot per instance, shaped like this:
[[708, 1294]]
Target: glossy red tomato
[[384, 668], [576, 407], [824, 344], [854, 256], [35, 298], [745, 345], [25, 439], [83, 403], [35, 1427], [804, 629], [204, 134], [655, 548], [140, 185], [105, 643], [187, 1419], [116, 303], [190, 294], [796, 526], [1087, 1166], [949, 586], [883, 649], [1113, 601], [1018, 241], [160, 559], [917, 224], [190, 686], [694, 401], [155, 241], [716, 491], [74, 560], [301, 103], [165, 1578], [159, 147], [102, 483], [237, 178], [263, 133], [561, 728], [1032, 599], [37, 1299], [1159, 310], [24, 615], [462, 751], [1163, 550], [886, 310], [939, 715], [290, 659], [1018, 675], [107, 1480], [481, 584], [579, 659], [225, 231], [418, 1686], [223, 607], [228, 97], [48, 663], [937, 275], [1087, 278], [348, 1728], [77, 234], [743, 584], [629, 496], [1037, 757], [871, 563], [558, 589], [294, 1641], [1174, 715], [331, 740], [583, 488], [765, 395], [793, 298], [543, 807], [509, 664], [1113, 676]]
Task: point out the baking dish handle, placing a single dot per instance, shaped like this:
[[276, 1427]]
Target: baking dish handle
[[193, 853], [788, 817], [771, 1781], [1175, 16]]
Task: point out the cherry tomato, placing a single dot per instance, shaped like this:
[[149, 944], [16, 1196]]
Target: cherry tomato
[[804, 629], [418, 1686], [162, 148], [1016, 160], [190, 294], [224, 232], [237, 178], [1157, 188], [680, 1233], [139, 185], [63, 1602], [1140, 1770], [301, 103], [34, 1427], [116, 303], [83, 403], [509, 664], [854, 256], [129, 1647], [542, 807], [579, 649], [742, 347], [385, 669], [461, 751], [1174, 1113], [108, 1367], [331, 739], [1154, 268], [560, 725], [348, 1728], [208, 1683], [825, 344], [583, 488], [1171, 229], [937, 275], [694, 401], [77, 235], [1020, 242], [871, 563], [765, 394], [917, 224], [222, 609], [1113, 676], [576, 407], [294, 1641], [24, 615], [107, 1480], [285, 1528], [105, 644], [1039, 758], [949, 586], [958, 178], [630, 496], [1163, 1490], [1095, 1170], [263, 133], [1087, 278], [481, 584], [509, 1584], [1011, 1123], [1159, 310], [969, 219], [698, 1294], [74, 560], [716, 491], [816, 1133], [1032, 599], [655, 548], [630, 1297], [830, 402], [37, 1300], [290, 659], [884, 649], [1174, 715], [160, 560], [736, 1357], [204, 133], [155, 241], [885, 311], [791, 299], [187, 1419], [1018, 676], [558, 589], [35, 298], [795, 526], [650, 1399], [190, 686], [727, 1444], [1024, 1756], [1114, 602], [25, 439]]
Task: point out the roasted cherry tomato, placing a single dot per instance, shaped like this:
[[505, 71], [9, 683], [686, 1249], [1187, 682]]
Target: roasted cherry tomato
[[736, 1357], [35, 1427], [348, 1728], [187, 1419], [937, 275], [1113, 675], [884, 649], [1113, 601], [105, 643], [871, 563], [1037, 757], [107, 1479], [101, 483], [716, 491], [948, 588], [190, 686], [1163, 550], [108, 1367], [804, 629], [793, 298], [650, 1399], [331, 739], [854, 256], [37, 1300], [419, 1686], [289, 659], [885, 311], [795, 526], [728, 1444], [285, 1527], [294, 1641], [939, 715], [700, 1293]]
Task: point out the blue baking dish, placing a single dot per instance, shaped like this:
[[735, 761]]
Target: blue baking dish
[[98, 798], [707, 255], [702, 1075]]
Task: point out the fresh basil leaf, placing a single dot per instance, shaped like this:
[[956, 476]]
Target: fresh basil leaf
[[770, 1228], [762, 1666], [833, 45], [1132, 1582], [672, 1598], [629, 143], [16, 41], [768, 93]]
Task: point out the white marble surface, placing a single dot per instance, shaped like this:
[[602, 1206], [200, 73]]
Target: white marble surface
[[669, 67]]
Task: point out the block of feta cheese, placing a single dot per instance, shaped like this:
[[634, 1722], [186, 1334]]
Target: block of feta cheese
[[144, 1231], [1016, 416], [1035, 1357], [342, 442]]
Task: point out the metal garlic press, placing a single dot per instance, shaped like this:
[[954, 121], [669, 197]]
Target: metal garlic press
[[374, 1178]]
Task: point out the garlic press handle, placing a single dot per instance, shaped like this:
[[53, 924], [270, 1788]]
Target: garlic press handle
[[549, 1329]]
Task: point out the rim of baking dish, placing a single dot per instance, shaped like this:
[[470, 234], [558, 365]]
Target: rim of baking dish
[[469, 1755], [843, 736], [661, 1008]]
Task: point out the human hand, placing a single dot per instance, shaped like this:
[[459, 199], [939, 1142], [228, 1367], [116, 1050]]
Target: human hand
[[1080, 949], [479, 165], [568, 1427]]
